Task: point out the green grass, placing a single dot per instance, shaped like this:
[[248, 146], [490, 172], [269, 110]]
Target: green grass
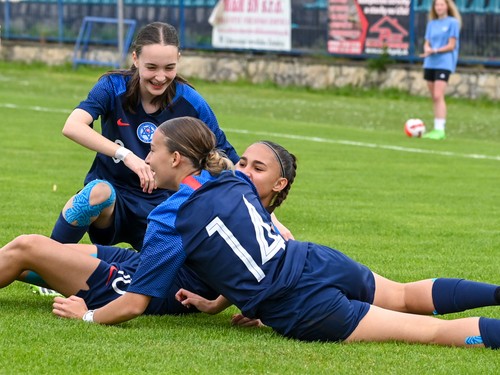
[[408, 215]]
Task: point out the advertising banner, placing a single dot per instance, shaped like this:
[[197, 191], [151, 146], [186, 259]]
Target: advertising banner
[[252, 24], [358, 27]]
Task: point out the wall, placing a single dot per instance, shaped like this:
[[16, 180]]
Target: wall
[[299, 71]]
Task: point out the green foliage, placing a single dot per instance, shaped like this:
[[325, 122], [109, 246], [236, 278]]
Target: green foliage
[[381, 62], [408, 208]]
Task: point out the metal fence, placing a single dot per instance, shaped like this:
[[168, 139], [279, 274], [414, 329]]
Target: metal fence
[[60, 20]]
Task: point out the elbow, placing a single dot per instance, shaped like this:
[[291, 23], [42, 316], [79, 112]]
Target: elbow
[[66, 131], [136, 305], [133, 311]]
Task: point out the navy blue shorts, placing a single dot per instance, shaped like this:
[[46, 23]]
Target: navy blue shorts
[[331, 297], [436, 75], [130, 220], [114, 274]]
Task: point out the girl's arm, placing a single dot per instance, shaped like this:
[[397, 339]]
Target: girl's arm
[[215, 306], [428, 50], [77, 128], [284, 231], [125, 307], [212, 307]]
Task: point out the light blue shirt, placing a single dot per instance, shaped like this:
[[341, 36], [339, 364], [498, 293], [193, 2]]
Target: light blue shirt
[[438, 33]]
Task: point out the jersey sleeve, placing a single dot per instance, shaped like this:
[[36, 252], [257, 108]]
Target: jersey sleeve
[[454, 29], [161, 256], [428, 31], [208, 117], [100, 99]]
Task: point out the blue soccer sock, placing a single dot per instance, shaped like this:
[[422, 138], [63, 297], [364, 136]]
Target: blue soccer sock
[[490, 332], [64, 232], [455, 295], [35, 279]]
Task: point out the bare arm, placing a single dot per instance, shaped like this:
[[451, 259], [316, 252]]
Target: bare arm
[[77, 128], [126, 307], [285, 232], [428, 50], [215, 306], [189, 299]]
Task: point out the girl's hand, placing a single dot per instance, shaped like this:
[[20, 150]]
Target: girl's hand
[[190, 299], [143, 170], [240, 320], [72, 307]]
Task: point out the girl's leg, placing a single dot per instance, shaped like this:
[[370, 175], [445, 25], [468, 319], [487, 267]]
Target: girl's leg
[[430, 87], [438, 99], [64, 269], [413, 297], [385, 325], [439, 296], [32, 277], [437, 90], [94, 204]]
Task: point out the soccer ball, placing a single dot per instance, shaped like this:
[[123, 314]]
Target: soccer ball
[[414, 127]]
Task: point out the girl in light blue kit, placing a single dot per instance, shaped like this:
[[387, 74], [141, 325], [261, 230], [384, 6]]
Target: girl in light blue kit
[[440, 58]]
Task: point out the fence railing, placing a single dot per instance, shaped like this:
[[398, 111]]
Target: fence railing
[[60, 20]]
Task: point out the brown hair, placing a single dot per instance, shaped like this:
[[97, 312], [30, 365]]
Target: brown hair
[[192, 138], [452, 11], [153, 33]]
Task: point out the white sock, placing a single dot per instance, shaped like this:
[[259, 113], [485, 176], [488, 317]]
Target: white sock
[[439, 123]]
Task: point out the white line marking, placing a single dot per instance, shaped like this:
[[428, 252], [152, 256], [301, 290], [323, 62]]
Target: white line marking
[[302, 138], [364, 144], [34, 108]]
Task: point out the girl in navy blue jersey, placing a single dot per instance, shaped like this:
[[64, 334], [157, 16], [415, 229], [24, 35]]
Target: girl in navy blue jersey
[[119, 188], [218, 225]]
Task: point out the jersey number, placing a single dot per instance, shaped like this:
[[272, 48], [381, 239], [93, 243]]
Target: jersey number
[[267, 250]]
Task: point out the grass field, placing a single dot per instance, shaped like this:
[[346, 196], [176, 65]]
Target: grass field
[[408, 208]]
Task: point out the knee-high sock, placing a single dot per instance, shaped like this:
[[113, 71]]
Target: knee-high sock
[[490, 332], [454, 295], [64, 232], [33, 278]]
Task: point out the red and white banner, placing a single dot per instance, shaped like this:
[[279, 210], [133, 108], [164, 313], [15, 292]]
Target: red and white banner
[[369, 27]]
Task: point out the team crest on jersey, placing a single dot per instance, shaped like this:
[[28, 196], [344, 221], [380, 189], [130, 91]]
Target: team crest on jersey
[[145, 132]]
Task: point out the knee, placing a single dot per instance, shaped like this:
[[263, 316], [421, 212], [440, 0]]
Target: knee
[[436, 98], [22, 244], [100, 193]]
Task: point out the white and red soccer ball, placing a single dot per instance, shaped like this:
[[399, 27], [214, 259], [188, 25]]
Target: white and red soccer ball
[[414, 127]]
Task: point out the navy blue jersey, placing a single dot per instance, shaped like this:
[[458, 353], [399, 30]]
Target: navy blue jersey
[[204, 228], [135, 130], [218, 228]]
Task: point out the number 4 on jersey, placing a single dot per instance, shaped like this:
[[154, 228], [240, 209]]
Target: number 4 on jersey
[[267, 250]]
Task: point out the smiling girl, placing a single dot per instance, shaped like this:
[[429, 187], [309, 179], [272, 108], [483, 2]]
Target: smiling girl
[[119, 189]]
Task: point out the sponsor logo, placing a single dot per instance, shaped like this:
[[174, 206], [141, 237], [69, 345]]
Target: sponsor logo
[[145, 132], [121, 123], [112, 270]]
